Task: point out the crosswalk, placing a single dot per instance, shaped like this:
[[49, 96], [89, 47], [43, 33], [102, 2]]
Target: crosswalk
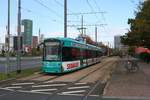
[[50, 87]]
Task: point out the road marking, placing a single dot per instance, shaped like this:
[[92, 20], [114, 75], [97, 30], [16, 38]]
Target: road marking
[[33, 92], [7, 89], [94, 95], [48, 85], [48, 81], [69, 92], [14, 87], [80, 83], [81, 87], [31, 83], [43, 90]]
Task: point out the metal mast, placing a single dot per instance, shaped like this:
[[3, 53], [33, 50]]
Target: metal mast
[[19, 39], [8, 40], [65, 18]]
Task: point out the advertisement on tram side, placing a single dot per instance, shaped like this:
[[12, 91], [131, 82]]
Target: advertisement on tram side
[[67, 66]]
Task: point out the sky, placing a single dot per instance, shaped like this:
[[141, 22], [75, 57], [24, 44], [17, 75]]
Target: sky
[[47, 15]]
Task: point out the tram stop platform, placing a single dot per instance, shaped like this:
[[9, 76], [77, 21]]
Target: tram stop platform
[[127, 85]]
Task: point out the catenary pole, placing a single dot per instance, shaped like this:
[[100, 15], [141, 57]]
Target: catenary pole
[[8, 40], [65, 18], [19, 39]]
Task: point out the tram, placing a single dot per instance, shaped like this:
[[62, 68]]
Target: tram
[[61, 55]]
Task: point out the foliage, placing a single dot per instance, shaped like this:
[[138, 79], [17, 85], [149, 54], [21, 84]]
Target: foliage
[[131, 50], [139, 33], [86, 38]]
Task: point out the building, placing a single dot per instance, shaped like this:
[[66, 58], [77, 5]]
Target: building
[[15, 42], [41, 38], [117, 42], [2, 45], [27, 33], [11, 42], [119, 46], [34, 41]]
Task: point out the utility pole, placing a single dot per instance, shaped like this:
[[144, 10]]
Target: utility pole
[[39, 36], [96, 34], [82, 24], [19, 39], [108, 50], [8, 40], [65, 18], [83, 29]]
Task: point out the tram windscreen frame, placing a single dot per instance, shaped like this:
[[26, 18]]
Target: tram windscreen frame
[[52, 51]]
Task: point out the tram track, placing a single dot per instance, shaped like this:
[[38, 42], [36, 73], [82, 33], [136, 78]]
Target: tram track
[[99, 82], [78, 80], [67, 85]]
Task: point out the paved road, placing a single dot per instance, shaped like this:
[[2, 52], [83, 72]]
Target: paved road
[[26, 62], [85, 84], [32, 96]]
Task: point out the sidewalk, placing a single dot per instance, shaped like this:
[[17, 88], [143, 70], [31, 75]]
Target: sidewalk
[[125, 84]]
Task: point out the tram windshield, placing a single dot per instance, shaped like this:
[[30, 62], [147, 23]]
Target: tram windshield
[[52, 51]]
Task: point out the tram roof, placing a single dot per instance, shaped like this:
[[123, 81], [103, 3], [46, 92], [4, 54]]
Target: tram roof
[[74, 41]]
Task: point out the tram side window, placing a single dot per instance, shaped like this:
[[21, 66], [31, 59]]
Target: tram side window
[[83, 54], [70, 54], [88, 54], [94, 54]]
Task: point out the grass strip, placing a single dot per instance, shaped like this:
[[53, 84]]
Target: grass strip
[[14, 74]]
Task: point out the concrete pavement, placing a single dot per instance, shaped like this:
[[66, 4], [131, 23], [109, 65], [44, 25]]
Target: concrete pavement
[[130, 85]]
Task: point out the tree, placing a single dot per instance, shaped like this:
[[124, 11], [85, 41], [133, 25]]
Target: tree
[[87, 38], [139, 33]]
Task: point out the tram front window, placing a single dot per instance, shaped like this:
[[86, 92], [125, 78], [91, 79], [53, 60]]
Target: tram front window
[[52, 51]]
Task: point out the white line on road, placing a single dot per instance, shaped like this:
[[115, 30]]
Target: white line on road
[[48, 81], [81, 87], [78, 95], [80, 83], [94, 95], [31, 83], [48, 85], [14, 87], [7, 89], [43, 90], [69, 92], [33, 92]]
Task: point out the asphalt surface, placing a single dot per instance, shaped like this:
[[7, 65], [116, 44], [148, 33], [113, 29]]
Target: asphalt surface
[[31, 91], [30, 96], [58, 90], [26, 62]]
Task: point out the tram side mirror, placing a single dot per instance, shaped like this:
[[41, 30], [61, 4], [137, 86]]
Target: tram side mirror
[[39, 46]]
